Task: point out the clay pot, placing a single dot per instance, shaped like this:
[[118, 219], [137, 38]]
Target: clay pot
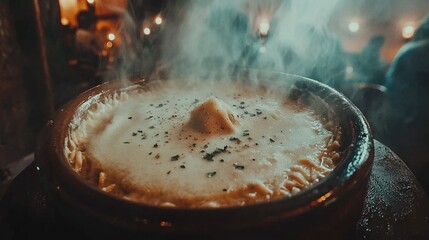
[[330, 207]]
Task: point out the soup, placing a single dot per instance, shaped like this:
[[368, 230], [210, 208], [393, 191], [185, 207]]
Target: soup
[[201, 145]]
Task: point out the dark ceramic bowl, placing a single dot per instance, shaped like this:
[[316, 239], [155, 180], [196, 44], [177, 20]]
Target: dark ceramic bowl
[[327, 209]]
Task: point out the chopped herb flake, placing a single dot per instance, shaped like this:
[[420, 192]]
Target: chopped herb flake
[[211, 174], [209, 157], [237, 140], [175, 157], [238, 167], [272, 140]]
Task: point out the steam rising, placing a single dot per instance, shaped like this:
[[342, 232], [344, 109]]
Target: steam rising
[[209, 39], [212, 39]]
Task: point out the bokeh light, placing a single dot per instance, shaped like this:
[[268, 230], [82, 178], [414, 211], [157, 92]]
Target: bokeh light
[[111, 36], [354, 27], [408, 31], [158, 20], [109, 44], [146, 31], [65, 21], [264, 27]]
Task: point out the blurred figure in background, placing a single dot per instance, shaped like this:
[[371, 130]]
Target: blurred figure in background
[[407, 121], [87, 42], [369, 64], [86, 52]]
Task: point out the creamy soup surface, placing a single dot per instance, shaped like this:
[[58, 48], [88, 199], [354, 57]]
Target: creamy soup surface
[[176, 144]]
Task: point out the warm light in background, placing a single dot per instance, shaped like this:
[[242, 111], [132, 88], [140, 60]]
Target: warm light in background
[[69, 8], [90, 1], [68, 3], [264, 27], [111, 36], [146, 31], [109, 44], [64, 21], [408, 31], [354, 27], [105, 7], [158, 20]]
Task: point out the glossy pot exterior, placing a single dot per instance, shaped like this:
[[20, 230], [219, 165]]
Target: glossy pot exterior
[[329, 208]]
